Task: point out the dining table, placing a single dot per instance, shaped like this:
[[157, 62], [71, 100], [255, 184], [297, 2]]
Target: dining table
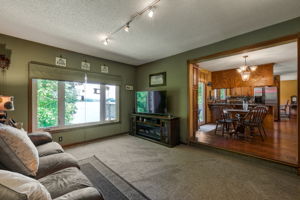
[[237, 114]]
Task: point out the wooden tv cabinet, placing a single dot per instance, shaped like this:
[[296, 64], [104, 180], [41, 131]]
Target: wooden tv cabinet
[[160, 129]]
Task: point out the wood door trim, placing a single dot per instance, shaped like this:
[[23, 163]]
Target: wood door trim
[[298, 92], [248, 48]]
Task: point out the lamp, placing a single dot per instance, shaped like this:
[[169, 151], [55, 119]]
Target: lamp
[[245, 76], [6, 104], [245, 70], [253, 68]]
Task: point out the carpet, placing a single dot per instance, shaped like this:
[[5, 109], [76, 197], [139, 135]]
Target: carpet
[[190, 173], [109, 183]]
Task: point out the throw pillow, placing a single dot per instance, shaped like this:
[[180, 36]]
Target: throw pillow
[[17, 152]]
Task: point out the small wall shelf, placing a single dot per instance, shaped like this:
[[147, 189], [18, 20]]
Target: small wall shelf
[[160, 129]]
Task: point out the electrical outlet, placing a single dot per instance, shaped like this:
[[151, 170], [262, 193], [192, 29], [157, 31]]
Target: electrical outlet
[[60, 139]]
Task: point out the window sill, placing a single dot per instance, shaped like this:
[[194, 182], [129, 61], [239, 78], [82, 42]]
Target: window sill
[[81, 126]]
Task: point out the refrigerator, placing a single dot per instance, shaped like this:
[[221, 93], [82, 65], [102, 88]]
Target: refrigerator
[[266, 95], [259, 96], [271, 97]]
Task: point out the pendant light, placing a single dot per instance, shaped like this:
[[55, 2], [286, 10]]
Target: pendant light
[[245, 70]]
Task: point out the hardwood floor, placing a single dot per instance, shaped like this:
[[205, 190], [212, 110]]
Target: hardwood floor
[[280, 144]]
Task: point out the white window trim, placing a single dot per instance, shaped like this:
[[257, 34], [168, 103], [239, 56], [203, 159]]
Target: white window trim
[[61, 108]]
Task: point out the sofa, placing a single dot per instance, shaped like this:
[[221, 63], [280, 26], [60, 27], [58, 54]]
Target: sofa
[[33, 166]]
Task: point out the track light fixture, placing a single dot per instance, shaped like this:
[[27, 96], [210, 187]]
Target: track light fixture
[[106, 41], [150, 9], [126, 28], [151, 12]]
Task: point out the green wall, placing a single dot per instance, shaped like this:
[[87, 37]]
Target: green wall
[[16, 79], [176, 66], [16, 84]]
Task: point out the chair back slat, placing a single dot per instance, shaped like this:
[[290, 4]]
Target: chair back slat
[[257, 115]]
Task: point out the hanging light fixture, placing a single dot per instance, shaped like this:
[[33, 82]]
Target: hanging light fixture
[[245, 75], [4, 57], [253, 68], [245, 70]]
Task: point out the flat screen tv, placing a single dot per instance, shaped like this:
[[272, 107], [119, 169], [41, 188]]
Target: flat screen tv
[[151, 102]]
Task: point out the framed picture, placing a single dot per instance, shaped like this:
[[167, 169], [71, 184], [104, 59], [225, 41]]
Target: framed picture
[[158, 79]]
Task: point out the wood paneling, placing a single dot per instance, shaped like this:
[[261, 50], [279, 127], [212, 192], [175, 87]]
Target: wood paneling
[[263, 76]]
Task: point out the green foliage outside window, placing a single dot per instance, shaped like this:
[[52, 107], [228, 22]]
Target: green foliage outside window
[[201, 97], [223, 94], [70, 101], [47, 110], [47, 102]]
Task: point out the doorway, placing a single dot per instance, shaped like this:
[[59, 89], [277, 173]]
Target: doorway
[[281, 140]]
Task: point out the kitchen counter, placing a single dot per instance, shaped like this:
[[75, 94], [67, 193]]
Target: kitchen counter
[[232, 104]]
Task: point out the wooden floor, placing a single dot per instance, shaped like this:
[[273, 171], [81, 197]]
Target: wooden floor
[[280, 144]]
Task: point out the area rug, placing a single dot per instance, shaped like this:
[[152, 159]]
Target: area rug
[[109, 183], [207, 127]]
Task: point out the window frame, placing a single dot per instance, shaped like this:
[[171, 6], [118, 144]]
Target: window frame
[[225, 95], [61, 107]]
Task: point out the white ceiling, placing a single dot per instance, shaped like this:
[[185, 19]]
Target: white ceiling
[[284, 56], [178, 25]]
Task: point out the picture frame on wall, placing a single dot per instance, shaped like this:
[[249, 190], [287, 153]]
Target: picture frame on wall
[[158, 79]]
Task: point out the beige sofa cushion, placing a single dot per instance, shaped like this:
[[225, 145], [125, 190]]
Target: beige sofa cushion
[[17, 152], [49, 149], [67, 180], [15, 186]]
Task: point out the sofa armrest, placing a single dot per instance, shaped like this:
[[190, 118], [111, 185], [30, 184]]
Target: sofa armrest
[[39, 138]]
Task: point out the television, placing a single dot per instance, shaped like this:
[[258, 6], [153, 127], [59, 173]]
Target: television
[[151, 102]]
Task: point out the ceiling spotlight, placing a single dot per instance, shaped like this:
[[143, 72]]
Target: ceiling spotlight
[[151, 12], [106, 42], [126, 28]]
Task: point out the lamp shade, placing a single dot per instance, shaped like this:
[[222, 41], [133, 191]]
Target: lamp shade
[[6, 103], [245, 76]]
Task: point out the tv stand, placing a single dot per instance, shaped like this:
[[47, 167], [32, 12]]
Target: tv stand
[[160, 129]]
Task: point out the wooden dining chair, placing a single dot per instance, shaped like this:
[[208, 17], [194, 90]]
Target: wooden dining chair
[[284, 109], [224, 120], [254, 119]]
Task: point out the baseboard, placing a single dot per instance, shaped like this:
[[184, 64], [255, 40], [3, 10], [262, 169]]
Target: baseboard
[[94, 140]]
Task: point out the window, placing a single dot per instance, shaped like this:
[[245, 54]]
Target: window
[[64, 104], [223, 94]]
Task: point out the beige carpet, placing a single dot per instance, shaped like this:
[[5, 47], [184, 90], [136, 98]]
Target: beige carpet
[[190, 173]]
